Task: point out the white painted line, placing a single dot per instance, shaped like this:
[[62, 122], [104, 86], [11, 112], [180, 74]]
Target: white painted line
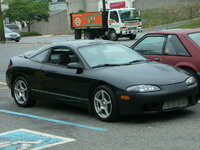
[[3, 88], [26, 144], [53, 120], [3, 83]]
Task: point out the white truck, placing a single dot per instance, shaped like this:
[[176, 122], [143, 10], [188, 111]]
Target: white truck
[[111, 24]]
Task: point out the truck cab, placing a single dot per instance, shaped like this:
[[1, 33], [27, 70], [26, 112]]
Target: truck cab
[[124, 22]]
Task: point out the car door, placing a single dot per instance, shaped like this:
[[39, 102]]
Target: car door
[[58, 79], [113, 21], [152, 47], [175, 53], [34, 71]]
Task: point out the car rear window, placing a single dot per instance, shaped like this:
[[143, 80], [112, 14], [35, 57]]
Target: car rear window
[[195, 37]]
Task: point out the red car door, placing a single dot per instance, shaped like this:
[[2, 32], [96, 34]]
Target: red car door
[[152, 47]]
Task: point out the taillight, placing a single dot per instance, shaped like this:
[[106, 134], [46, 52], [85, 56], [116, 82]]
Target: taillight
[[9, 65]]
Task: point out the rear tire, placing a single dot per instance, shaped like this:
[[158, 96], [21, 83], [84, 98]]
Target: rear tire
[[88, 35], [104, 104], [78, 34], [21, 92]]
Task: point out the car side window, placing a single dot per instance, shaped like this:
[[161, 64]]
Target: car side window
[[151, 45], [40, 57], [62, 56], [175, 47], [114, 16]]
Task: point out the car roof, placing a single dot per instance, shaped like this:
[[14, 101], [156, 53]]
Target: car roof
[[81, 43], [176, 31]]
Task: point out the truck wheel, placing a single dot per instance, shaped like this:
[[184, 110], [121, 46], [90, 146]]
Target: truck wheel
[[132, 36], [113, 36], [77, 34], [88, 35]]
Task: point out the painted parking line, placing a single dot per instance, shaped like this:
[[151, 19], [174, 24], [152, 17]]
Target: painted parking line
[[23, 139], [2, 83], [3, 88], [54, 120]]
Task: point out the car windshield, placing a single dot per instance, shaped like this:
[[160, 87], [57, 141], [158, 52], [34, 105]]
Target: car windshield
[[109, 55], [12, 26], [195, 37], [7, 30], [129, 15]]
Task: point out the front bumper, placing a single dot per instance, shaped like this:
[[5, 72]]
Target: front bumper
[[152, 102], [12, 38], [128, 32]]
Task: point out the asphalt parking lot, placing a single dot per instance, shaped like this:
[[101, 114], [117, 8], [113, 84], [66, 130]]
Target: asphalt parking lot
[[68, 127]]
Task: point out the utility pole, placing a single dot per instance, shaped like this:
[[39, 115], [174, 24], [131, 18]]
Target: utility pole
[[2, 35], [104, 5], [84, 5]]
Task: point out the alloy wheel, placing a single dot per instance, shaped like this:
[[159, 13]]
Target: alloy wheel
[[102, 104], [21, 92]]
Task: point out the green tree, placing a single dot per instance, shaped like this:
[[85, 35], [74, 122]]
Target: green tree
[[2, 35], [28, 11]]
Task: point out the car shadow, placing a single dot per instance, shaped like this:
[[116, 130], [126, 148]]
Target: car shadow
[[63, 107], [157, 117]]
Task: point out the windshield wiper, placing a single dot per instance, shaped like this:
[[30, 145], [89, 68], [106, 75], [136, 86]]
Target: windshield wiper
[[106, 65], [135, 61]]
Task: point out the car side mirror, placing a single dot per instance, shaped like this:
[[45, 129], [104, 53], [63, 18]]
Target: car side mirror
[[75, 65]]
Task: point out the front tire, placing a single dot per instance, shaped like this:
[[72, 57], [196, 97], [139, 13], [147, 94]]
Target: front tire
[[104, 103], [113, 36], [21, 92]]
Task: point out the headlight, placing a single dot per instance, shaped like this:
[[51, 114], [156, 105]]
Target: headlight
[[190, 81], [143, 88], [123, 28]]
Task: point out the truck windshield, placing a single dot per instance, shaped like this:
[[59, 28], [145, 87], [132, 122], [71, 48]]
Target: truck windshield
[[129, 15]]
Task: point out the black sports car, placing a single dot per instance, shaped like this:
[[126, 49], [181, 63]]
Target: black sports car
[[108, 78]]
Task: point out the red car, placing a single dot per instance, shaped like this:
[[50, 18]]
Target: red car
[[179, 47]]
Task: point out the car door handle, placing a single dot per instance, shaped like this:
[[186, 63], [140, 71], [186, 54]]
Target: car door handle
[[157, 59]]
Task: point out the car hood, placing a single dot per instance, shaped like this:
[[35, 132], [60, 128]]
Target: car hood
[[141, 73]]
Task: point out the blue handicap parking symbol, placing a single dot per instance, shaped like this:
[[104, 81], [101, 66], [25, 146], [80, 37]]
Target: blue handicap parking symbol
[[23, 139]]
